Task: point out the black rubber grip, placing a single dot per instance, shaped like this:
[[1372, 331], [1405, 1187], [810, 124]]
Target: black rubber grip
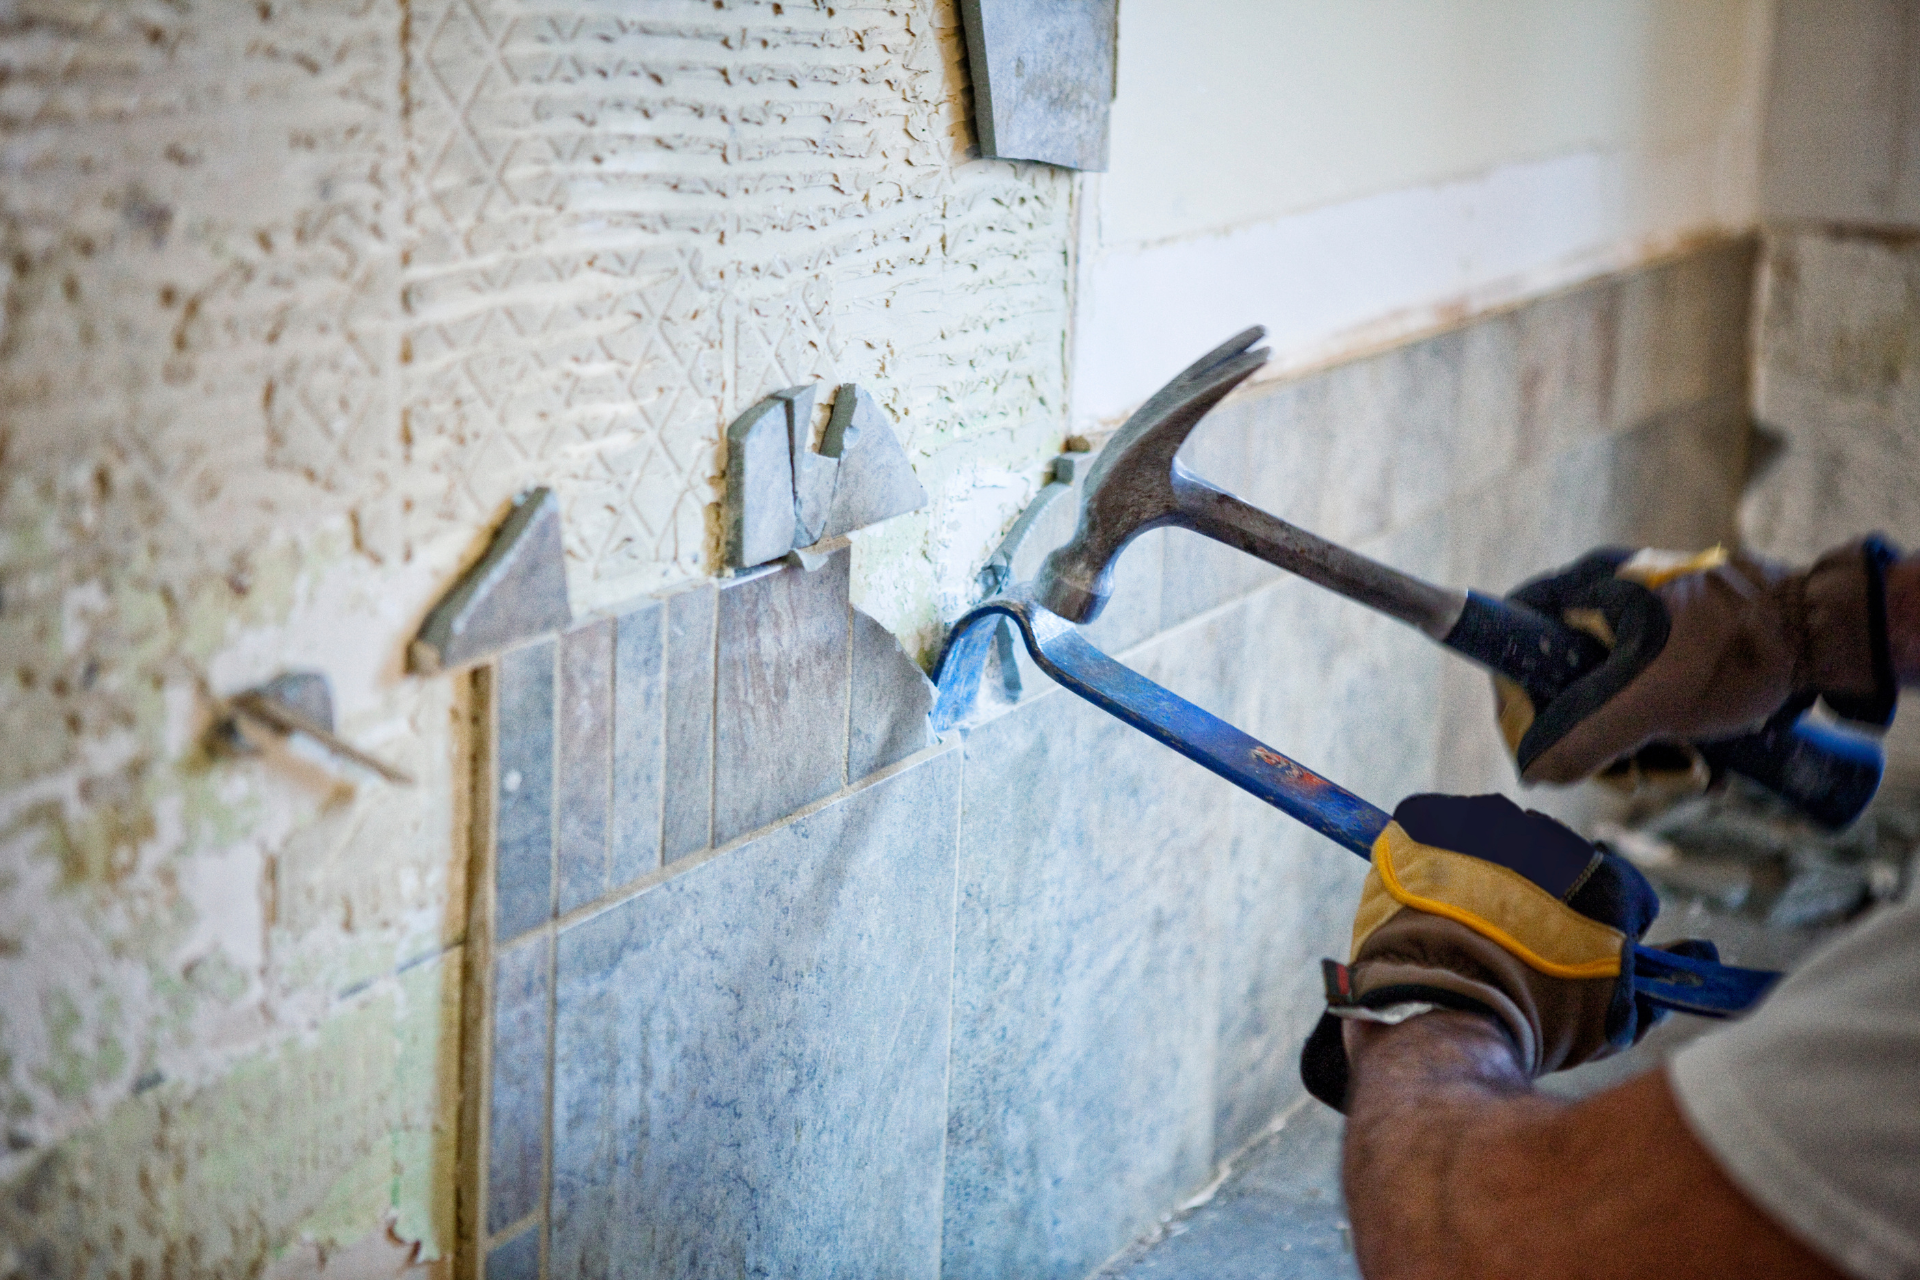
[[1825, 773], [1540, 654]]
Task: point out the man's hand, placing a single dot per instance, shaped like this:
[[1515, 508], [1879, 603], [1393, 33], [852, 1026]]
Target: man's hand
[[1702, 647], [1455, 1167], [1474, 905]]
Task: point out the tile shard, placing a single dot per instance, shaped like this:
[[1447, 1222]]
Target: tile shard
[[1043, 78], [813, 473], [892, 699], [759, 507], [515, 593], [875, 481]]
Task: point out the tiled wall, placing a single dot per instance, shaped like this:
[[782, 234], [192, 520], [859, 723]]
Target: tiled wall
[[1837, 395], [780, 987]]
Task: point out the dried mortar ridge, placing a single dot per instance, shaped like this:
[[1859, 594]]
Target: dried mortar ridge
[[297, 294]]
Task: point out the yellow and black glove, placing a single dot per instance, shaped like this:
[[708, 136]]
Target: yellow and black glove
[[1474, 904], [1702, 647]]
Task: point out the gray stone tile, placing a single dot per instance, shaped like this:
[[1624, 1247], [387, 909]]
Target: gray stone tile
[[517, 1099], [1278, 1216], [517, 1259], [1490, 431], [1435, 448], [891, 699], [1282, 896], [1080, 1103], [780, 718], [523, 825], [516, 591], [687, 820], [1355, 406], [1351, 695], [1133, 610], [639, 660], [1198, 574], [1564, 379], [1285, 901], [1270, 445], [1676, 481], [582, 794], [1043, 79], [758, 510], [1682, 332], [875, 481], [1839, 391], [753, 1055], [813, 474]]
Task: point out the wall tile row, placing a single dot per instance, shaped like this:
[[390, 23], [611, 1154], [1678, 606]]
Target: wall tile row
[[993, 1011]]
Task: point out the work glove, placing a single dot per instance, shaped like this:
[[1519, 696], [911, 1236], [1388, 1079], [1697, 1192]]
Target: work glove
[[1474, 904], [1702, 647]]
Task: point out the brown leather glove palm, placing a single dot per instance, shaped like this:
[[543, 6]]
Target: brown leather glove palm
[[1703, 647], [1474, 904]]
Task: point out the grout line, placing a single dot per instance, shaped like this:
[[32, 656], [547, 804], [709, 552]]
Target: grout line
[[546, 1127], [557, 714], [692, 861], [611, 691], [477, 1019], [495, 1239], [554, 791], [953, 968], [846, 720], [660, 740], [713, 717]]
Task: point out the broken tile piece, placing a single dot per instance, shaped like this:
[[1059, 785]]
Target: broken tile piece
[[875, 480], [813, 473], [305, 693], [891, 700], [516, 592], [780, 702], [758, 511], [1042, 78]]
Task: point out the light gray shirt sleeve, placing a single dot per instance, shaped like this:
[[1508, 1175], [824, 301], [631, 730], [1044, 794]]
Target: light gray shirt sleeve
[[1812, 1103]]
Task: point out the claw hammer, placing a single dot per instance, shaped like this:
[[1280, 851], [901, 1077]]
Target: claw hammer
[[1139, 484]]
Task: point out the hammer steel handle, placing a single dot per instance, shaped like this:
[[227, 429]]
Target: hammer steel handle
[[1824, 773]]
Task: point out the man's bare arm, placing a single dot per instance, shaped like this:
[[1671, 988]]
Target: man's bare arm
[[1456, 1167]]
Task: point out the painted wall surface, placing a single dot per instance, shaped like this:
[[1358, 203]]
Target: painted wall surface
[[297, 294], [1353, 174]]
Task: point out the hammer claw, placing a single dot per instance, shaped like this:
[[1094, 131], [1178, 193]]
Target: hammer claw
[[1130, 488]]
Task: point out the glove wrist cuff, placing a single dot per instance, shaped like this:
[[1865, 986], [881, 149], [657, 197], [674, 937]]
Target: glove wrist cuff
[[1844, 653]]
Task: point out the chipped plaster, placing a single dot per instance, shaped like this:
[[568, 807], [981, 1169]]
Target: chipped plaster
[[297, 294]]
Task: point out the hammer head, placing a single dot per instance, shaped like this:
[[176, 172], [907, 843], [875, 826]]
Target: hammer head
[[1130, 489]]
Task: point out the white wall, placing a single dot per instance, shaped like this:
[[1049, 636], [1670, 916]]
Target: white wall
[[1350, 174]]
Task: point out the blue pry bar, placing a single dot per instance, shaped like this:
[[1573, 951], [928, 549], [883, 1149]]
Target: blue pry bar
[[1675, 982]]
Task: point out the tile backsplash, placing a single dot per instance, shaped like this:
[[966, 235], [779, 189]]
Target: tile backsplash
[[779, 985]]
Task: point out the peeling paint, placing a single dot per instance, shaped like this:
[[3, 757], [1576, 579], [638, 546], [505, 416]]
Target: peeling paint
[[296, 1146]]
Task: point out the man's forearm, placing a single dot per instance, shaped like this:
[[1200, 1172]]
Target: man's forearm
[[1455, 1167], [1426, 1100]]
